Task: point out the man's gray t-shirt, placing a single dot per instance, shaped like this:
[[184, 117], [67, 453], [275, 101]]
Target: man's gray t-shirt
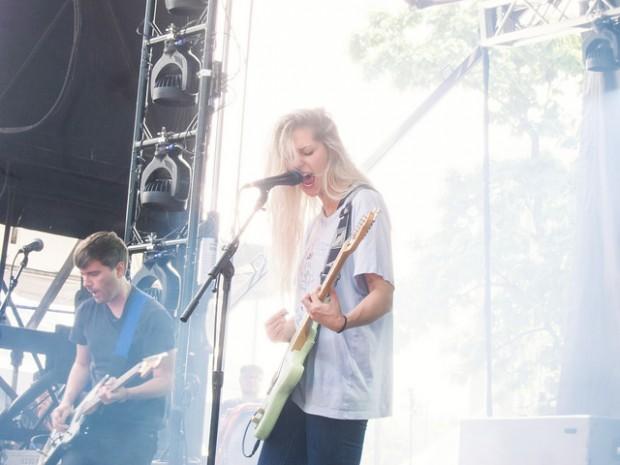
[[97, 328], [348, 375]]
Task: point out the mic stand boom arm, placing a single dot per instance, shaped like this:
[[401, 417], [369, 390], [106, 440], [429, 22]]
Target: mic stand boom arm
[[225, 268], [229, 252]]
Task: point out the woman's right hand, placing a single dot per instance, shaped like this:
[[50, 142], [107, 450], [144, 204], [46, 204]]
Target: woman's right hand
[[59, 416], [279, 328]]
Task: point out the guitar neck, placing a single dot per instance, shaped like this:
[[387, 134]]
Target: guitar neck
[[92, 398], [121, 380], [300, 337], [333, 274]]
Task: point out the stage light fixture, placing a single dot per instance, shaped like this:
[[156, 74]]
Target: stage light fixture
[[159, 279], [601, 48], [185, 7], [165, 181], [174, 77]]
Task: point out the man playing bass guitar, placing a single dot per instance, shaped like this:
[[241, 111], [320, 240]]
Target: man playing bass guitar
[[114, 330]]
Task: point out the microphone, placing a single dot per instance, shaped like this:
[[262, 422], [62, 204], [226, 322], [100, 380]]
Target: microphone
[[290, 178], [34, 246]]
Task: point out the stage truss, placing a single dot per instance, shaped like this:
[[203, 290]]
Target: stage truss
[[506, 23]]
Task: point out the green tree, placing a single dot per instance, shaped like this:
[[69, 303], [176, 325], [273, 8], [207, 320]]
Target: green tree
[[531, 198], [532, 236], [418, 48]]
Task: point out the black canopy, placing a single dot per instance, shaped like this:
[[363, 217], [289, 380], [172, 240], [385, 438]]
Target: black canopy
[[68, 77]]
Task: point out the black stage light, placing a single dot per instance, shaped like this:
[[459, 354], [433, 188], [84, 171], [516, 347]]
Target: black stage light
[[601, 48], [165, 181], [159, 279], [174, 77], [185, 7]]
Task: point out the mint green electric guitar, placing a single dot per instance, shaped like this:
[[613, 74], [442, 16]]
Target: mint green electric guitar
[[292, 366]]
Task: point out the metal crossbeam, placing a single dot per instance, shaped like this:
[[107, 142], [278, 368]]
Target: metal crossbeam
[[514, 22]]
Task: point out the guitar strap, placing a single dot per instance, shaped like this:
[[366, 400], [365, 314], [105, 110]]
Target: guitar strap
[[134, 308], [343, 230]]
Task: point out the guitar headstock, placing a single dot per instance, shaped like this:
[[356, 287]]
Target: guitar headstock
[[148, 364], [362, 229]]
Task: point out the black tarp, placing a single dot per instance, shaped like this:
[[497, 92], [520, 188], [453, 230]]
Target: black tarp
[[68, 78]]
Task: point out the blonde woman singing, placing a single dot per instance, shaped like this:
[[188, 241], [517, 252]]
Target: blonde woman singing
[[348, 374]]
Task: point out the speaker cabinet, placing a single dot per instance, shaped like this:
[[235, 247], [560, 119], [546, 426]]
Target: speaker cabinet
[[19, 457], [554, 440]]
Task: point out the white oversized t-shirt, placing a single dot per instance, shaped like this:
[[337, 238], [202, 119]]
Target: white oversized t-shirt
[[348, 375]]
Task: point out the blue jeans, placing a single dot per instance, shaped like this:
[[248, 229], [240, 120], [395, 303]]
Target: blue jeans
[[299, 438], [113, 447]]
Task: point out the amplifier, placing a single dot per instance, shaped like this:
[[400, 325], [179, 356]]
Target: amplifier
[[553, 440], [19, 457]]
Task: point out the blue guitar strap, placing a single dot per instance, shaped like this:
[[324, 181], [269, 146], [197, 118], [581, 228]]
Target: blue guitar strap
[[133, 310]]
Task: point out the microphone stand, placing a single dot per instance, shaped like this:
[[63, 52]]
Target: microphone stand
[[225, 269], [17, 356], [12, 285]]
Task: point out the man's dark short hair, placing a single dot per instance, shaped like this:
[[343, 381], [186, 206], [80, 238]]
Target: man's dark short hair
[[104, 246]]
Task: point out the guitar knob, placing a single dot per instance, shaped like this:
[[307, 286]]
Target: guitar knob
[[258, 416]]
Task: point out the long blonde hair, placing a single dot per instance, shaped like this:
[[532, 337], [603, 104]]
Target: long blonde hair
[[290, 208]]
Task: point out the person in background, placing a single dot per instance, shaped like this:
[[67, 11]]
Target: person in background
[[250, 381], [234, 417]]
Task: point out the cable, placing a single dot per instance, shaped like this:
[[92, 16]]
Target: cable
[[33, 52], [6, 178], [69, 76]]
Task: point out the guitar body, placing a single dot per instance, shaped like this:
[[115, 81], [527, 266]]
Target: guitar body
[[53, 457], [56, 446], [59, 441], [289, 375]]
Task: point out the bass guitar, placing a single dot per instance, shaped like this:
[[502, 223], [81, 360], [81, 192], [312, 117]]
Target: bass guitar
[[59, 441], [292, 366]]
